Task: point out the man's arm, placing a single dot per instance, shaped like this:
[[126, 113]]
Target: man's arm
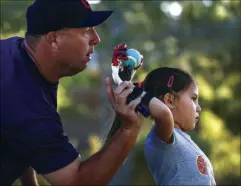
[[101, 167], [29, 178]]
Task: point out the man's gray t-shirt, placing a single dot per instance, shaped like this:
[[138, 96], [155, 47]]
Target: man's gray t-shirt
[[179, 163]]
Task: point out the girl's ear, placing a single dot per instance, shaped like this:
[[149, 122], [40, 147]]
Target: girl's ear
[[169, 100]]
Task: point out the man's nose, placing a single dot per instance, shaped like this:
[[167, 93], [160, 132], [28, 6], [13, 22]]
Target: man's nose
[[96, 38]]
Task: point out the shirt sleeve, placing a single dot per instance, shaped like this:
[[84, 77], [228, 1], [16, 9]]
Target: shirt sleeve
[[156, 141], [41, 141]]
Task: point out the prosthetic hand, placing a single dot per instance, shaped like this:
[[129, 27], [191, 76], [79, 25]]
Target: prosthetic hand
[[121, 71]]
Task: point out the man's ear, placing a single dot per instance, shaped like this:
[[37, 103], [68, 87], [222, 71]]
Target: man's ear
[[51, 39], [169, 100]]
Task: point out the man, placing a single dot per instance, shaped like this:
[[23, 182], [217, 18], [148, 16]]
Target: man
[[59, 40]]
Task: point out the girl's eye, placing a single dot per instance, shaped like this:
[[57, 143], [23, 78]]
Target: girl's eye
[[194, 98]]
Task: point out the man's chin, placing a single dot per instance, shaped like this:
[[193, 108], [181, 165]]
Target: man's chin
[[77, 70], [74, 71]]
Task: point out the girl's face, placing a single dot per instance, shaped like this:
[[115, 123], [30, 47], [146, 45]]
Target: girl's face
[[186, 109]]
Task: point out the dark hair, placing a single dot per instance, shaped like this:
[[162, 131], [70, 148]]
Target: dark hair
[[166, 80], [158, 82], [33, 39]]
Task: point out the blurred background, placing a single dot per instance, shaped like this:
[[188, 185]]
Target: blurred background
[[201, 37]]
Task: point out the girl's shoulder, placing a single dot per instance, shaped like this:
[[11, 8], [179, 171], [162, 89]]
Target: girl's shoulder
[[180, 139]]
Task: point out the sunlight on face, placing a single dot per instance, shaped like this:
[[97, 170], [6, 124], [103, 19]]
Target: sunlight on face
[[187, 109], [75, 46]]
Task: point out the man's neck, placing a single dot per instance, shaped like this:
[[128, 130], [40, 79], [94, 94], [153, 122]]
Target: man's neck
[[43, 62]]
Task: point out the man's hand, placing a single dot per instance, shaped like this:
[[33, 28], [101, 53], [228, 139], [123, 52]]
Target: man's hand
[[117, 97], [100, 168]]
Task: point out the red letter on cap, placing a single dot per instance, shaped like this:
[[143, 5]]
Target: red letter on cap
[[85, 3]]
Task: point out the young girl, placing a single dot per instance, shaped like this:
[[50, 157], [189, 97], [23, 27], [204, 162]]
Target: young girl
[[173, 158]]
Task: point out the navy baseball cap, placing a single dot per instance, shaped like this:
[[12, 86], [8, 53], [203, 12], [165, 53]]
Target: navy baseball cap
[[44, 16]]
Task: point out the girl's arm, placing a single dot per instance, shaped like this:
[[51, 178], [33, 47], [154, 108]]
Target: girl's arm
[[163, 119]]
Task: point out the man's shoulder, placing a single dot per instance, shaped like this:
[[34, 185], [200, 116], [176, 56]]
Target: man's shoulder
[[10, 52], [11, 41], [9, 47]]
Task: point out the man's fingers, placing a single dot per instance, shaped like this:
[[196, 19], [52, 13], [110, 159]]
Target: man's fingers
[[123, 86], [133, 104], [123, 96], [109, 90]]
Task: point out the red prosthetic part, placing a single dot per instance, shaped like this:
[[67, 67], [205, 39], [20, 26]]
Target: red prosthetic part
[[119, 53]]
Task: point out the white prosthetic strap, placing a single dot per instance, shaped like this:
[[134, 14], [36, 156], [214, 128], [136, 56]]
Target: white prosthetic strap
[[115, 74]]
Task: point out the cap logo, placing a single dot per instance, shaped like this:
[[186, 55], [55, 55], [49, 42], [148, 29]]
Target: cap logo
[[85, 3]]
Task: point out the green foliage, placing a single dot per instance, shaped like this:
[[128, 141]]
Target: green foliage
[[205, 41]]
